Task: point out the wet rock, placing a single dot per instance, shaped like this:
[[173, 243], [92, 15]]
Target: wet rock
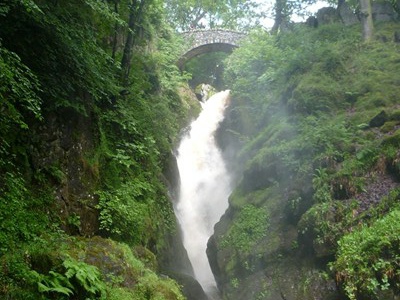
[[60, 154], [374, 191], [191, 288], [204, 92]]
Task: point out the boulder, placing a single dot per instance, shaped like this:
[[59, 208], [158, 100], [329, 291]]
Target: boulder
[[347, 16], [379, 119], [204, 91], [383, 12], [327, 15], [191, 288], [312, 22]]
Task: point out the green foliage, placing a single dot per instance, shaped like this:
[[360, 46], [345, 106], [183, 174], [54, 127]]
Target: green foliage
[[301, 104], [56, 283], [125, 212], [18, 87], [315, 93], [58, 62], [325, 223], [206, 68], [86, 275], [252, 68], [368, 259], [249, 228], [81, 68], [322, 188], [23, 215], [375, 93], [192, 14], [290, 92], [58, 267], [19, 102]]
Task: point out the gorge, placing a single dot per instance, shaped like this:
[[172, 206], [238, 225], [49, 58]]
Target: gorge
[[92, 108]]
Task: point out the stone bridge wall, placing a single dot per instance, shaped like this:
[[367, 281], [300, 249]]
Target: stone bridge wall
[[197, 38], [202, 41]]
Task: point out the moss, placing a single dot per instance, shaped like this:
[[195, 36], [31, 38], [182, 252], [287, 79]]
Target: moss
[[315, 93], [120, 271], [389, 126], [394, 115], [392, 140]]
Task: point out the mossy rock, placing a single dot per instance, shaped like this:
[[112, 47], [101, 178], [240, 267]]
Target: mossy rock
[[395, 115], [320, 228], [389, 126], [204, 91], [102, 266], [392, 140], [147, 257], [379, 119]]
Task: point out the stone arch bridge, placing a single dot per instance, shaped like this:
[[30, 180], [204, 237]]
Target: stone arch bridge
[[204, 41]]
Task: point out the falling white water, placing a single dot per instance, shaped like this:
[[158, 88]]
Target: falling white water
[[205, 186]]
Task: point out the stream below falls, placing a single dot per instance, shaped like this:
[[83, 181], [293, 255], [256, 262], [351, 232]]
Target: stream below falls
[[205, 187]]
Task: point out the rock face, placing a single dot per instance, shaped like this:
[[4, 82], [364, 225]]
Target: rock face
[[327, 15], [272, 269], [63, 153], [274, 266], [347, 15], [190, 286], [383, 12]]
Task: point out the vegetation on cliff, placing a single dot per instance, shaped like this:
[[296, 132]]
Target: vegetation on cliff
[[314, 115], [85, 138]]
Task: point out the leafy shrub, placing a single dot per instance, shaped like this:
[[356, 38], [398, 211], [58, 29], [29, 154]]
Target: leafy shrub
[[315, 93], [367, 259], [324, 224], [248, 229], [19, 88], [124, 213], [23, 216]]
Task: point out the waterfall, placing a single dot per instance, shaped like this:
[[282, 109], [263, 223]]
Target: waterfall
[[205, 186]]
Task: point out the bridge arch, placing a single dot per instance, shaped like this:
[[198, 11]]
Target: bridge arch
[[204, 41]]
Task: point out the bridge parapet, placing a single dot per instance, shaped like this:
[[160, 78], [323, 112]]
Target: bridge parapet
[[202, 41], [197, 38]]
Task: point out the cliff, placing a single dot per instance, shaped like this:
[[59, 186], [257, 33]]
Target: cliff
[[312, 136], [85, 156]]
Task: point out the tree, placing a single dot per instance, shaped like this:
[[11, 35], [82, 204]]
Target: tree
[[366, 19], [284, 9], [135, 16], [281, 15], [195, 14]]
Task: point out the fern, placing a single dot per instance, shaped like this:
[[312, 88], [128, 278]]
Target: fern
[[54, 282], [86, 276]]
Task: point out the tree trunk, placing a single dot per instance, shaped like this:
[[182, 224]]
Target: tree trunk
[[116, 28], [366, 19], [280, 15], [135, 14]]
